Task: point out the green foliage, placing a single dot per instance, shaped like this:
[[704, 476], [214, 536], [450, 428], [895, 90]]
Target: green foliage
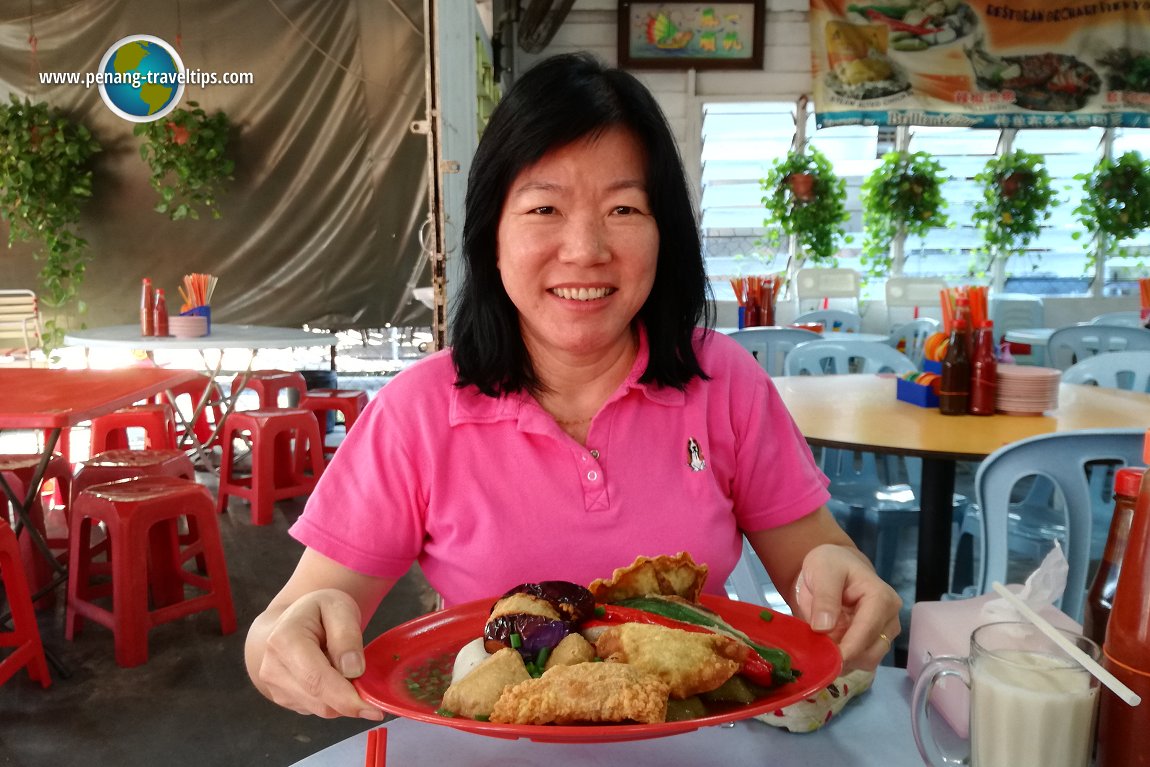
[[902, 196], [187, 153], [45, 176], [1115, 202], [1017, 197], [816, 219]]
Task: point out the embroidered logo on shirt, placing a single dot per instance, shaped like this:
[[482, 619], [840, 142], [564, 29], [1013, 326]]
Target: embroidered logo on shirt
[[695, 454]]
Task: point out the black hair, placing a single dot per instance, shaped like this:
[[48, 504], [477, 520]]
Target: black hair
[[558, 101]]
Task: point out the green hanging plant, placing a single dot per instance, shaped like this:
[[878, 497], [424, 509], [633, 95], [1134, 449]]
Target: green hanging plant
[[1115, 202], [187, 153], [45, 176], [804, 197], [1017, 197], [903, 195]]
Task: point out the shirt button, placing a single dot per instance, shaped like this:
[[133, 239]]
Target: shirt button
[[595, 454], [592, 475]]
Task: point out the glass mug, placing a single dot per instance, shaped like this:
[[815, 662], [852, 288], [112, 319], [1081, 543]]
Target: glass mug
[[1031, 704]]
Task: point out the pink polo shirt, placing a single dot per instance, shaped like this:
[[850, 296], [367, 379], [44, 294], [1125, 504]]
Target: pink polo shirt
[[488, 493]]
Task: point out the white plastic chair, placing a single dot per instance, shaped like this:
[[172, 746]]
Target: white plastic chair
[[1123, 319], [1075, 343], [911, 337], [819, 284], [749, 582], [1069, 461], [771, 345], [914, 296], [827, 357], [832, 319], [1117, 370], [20, 331], [1010, 311], [871, 511]]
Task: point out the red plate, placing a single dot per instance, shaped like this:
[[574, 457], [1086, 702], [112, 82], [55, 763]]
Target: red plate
[[394, 655]]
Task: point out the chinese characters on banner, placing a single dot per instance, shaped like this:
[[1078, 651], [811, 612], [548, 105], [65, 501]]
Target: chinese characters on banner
[[1016, 64]]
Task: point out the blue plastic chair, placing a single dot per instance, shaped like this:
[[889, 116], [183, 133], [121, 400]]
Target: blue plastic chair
[[911, 337], [872, 512], [771, 345], [1117, 370], [1070, 462], [832, 319], [1075, 343]]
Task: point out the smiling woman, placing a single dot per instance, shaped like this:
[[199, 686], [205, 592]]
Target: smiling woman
[[581, 420]]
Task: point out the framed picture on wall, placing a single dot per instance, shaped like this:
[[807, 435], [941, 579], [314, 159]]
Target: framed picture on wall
[[687, 34]]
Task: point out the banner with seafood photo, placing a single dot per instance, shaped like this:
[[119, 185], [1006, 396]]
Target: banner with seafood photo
[[975, 63]]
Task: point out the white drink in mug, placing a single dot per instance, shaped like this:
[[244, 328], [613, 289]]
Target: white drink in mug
[[1031, 705]]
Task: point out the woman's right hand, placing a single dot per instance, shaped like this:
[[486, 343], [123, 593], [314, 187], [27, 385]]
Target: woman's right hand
[[311, 650]]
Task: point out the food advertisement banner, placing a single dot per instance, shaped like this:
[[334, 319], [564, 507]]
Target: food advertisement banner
[[977, 63]]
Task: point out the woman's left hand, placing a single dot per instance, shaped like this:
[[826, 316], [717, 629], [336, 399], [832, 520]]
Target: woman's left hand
[[839, 593]]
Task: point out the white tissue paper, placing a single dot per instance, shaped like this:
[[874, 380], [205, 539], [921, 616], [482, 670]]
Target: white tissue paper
[[944, 628]]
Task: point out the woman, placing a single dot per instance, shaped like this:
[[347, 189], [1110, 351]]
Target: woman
[[581, 418]]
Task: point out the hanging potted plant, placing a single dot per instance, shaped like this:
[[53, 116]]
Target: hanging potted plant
[[1017, 197], [901, 197], [45, 176], [187, 154], [805, 198], [1115, 203]]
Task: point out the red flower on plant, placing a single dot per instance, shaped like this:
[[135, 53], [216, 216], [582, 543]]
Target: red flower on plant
[[179, 133]]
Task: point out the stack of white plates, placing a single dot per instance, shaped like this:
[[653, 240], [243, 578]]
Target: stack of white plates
[[188, 326], [1027, 390]]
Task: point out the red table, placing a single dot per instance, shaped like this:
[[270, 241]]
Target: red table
[[54, 399]]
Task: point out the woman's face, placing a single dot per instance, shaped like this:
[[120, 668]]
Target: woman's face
[[577, 244]]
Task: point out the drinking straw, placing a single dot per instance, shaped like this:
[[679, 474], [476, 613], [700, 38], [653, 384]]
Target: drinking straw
[[376, 748], [1144, 291], [1122, 691], [738, 284], [947, 310]]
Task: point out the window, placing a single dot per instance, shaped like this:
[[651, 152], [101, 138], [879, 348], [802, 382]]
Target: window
[[741, 140]]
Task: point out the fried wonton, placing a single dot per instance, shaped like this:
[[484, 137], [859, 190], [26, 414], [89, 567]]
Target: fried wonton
[[689, 662], [677, 575], [585, 692], [475, 694]]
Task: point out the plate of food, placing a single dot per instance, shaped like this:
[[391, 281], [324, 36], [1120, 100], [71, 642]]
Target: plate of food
[[555, 662]]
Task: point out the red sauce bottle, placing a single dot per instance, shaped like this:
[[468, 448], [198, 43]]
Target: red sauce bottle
[[983, 372], [1123, 731], [954, 388], [147, 310], [1100, 597], [161, 313]]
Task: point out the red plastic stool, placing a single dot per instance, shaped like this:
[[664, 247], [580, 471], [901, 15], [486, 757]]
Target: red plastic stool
[[268, 384], [18, 470], [25, 634], [195, 391], [141, 519], [285, 445], [349, 402], [158, 422]]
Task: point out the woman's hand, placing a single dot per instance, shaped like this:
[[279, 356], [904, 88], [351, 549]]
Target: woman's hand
[[839, 593], [304, 648], [312, 649]]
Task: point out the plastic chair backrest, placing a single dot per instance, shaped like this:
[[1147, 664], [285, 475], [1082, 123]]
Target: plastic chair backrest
[[832, 319], [918, 294], [818, 284], [20, 321], [912, 336], [771, 345], [749, 581], [1073, 344], [1060, 458], [1116, 370], [1015, 310], [827, 357], [1124, 319]]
